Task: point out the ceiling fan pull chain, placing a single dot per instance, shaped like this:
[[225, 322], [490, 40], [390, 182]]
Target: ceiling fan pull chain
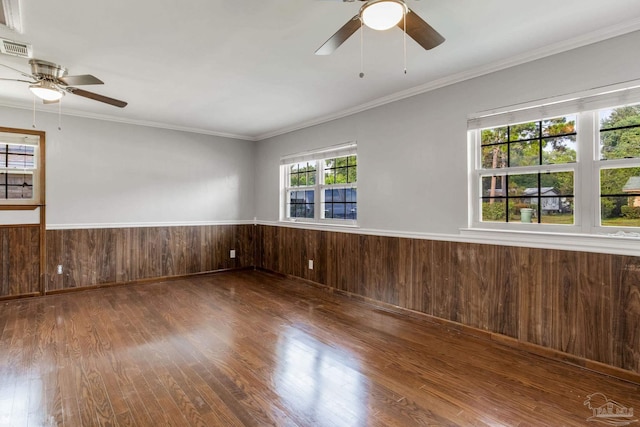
[[60, 114], [361, 49], [34, 112], [404, 40]]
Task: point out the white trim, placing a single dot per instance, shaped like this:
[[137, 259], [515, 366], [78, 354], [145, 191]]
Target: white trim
[[333, 151], [606, 244], [316, 156], [586, 169], [595, 99], [613, 87], [147, 224], [108, 118], [12, 15], [319, 226]]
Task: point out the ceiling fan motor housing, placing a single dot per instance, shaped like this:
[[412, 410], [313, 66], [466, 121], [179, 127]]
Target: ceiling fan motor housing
[[47, 70]]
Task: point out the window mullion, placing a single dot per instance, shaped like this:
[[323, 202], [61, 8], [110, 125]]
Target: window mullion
[[318, 197], [586, 179]]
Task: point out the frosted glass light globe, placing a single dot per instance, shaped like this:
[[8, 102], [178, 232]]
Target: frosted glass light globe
[[382, 15]]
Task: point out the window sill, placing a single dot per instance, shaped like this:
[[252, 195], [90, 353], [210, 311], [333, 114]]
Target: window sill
[[318, 225], [617, 243]]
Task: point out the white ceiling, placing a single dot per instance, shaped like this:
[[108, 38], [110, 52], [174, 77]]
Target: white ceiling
[[247, 69]]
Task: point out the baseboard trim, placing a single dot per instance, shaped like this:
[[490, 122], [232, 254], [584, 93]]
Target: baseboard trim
[[144, 281], [21, 296]]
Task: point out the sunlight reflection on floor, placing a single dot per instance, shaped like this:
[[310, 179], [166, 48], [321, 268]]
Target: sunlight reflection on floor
[[318, 380]]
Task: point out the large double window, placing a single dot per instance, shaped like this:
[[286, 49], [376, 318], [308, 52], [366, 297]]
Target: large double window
[[321, 186], [573, 168]]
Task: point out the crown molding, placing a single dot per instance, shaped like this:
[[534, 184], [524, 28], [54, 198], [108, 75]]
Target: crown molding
[[549, 50], [109, 118]]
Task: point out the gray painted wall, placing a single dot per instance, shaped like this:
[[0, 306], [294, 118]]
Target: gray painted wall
[[102, 173], [413, 152]]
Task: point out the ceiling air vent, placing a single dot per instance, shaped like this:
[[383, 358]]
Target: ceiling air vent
[[9, 47]]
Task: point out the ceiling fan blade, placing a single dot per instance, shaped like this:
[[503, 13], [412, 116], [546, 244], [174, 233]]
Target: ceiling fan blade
[[18, 80], [420, 31], [19, 72], [85, 79], [340, 36], [96, 97]]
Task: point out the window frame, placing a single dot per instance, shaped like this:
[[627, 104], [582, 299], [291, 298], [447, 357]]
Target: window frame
[[319, 187], [587, 167], [10, 136]]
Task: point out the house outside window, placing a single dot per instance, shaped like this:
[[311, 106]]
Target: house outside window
[[321, 186], [528, 174], [571, 166]]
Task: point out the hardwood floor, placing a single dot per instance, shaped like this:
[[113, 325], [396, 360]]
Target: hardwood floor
[[250, 348]]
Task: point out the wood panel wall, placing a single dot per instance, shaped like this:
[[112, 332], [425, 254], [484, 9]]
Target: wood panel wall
[[581, 304], [19, 260], [91, 257]]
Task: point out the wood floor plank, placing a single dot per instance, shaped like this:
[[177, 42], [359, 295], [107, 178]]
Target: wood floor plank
[[253, 349]]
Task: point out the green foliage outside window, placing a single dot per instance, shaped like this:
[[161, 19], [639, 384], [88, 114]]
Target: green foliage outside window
[[342, 170], [535, 143], [630, 212], [553, 141], [620, 139], [302, 174], [620, 133]]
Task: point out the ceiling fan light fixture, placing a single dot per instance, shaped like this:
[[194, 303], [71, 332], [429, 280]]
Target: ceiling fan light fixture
[[382, 14], [46, 90]]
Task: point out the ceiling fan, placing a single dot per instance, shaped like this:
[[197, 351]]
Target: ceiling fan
[[383, 15], [50, 82]]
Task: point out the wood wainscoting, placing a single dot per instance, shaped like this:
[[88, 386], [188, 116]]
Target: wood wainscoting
[[105, 256], [584, 305], [578, 306], [19, 260]]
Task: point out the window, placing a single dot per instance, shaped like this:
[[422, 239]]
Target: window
[[527, 176], [19, 169], [577, 170], [321, 186], [619, 166], [339, 191], [302, 192]]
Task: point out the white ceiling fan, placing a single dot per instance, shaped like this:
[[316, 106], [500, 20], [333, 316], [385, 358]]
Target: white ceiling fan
[[383, 15]]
